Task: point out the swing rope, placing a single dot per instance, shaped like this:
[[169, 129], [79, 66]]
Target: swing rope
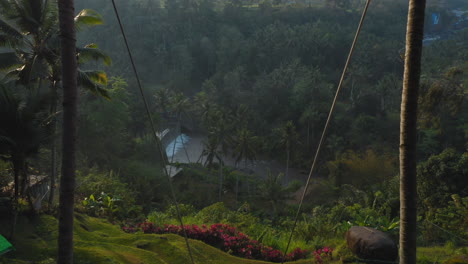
[[153, 128], [325, 129]]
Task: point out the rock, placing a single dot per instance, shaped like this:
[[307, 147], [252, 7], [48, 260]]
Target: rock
[[371, 244]]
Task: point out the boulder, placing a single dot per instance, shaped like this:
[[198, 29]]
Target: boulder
[[371, 244]]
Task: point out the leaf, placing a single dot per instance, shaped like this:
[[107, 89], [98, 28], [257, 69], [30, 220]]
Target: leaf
[[8, 61], [98, 77], [394, 225], [91, 52], [88, 18], [93, 82], [9, 34]]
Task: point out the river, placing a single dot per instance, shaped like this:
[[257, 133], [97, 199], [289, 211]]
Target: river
[[194, 147]]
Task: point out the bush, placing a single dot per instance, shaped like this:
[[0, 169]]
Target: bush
[[441, 176], [229, 239], [362, 169], [105, 195], [149, 181], [184, 209], [449, 223]]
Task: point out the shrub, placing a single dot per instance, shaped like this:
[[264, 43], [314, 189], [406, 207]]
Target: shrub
[[184, 209], [322, 254], [103, 193], [229, 239], [441, 176], [449, 223], [362, 169]]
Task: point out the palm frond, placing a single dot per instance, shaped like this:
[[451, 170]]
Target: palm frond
[[32, 70], [94, 81], [9, 36], [8, 9], [9, 61], [23, 16], [23, 130], [49, 18], [91, 52], [88, 18]]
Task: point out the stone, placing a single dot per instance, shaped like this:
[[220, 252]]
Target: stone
[[371, 244]]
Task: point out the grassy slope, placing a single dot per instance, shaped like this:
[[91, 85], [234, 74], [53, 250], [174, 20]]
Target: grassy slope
[[99, 242]]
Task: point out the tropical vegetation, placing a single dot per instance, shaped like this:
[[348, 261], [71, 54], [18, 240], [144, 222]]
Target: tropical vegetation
[[245, 88]]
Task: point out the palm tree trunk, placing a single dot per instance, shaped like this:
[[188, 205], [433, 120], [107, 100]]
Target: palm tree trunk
[[53, 162], [16, 172], [179, 120], [220, 180], [408, 131], [69, 136], [24, 178], [185, 150], [237, 187], [53, 168], [287, 165]]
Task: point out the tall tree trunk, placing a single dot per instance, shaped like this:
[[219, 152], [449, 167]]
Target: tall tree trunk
[[220, 180], [408, 131], [179, 125], [237, 187], [287, 165], [53, 155], [70, 109], [16, 172], [53, 167]]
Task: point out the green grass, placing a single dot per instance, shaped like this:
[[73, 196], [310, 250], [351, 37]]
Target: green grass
[[97, 241]]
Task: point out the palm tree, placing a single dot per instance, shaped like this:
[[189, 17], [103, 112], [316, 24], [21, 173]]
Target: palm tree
[[163, 100], [288, 137], [211, 152], [244, 150], [25, 128], [309, 116], [408, 131], [220, 131], [29, 30], [205, 108], [179, 106], [272, 190], [220, 128], [70, 113], [213, 149], [240, 116]]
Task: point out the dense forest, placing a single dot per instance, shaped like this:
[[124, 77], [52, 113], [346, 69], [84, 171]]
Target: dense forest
[[239, 92]]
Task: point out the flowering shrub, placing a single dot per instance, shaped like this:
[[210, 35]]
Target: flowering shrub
[[322, 254], [229, 239]]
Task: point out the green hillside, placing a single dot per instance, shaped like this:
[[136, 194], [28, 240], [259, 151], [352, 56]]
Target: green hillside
[[99, 242]]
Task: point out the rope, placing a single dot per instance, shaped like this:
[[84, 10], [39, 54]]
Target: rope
[[153, 128], [319, 147]]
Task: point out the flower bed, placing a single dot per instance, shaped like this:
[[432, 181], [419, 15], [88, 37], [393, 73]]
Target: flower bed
[[229, 239]]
